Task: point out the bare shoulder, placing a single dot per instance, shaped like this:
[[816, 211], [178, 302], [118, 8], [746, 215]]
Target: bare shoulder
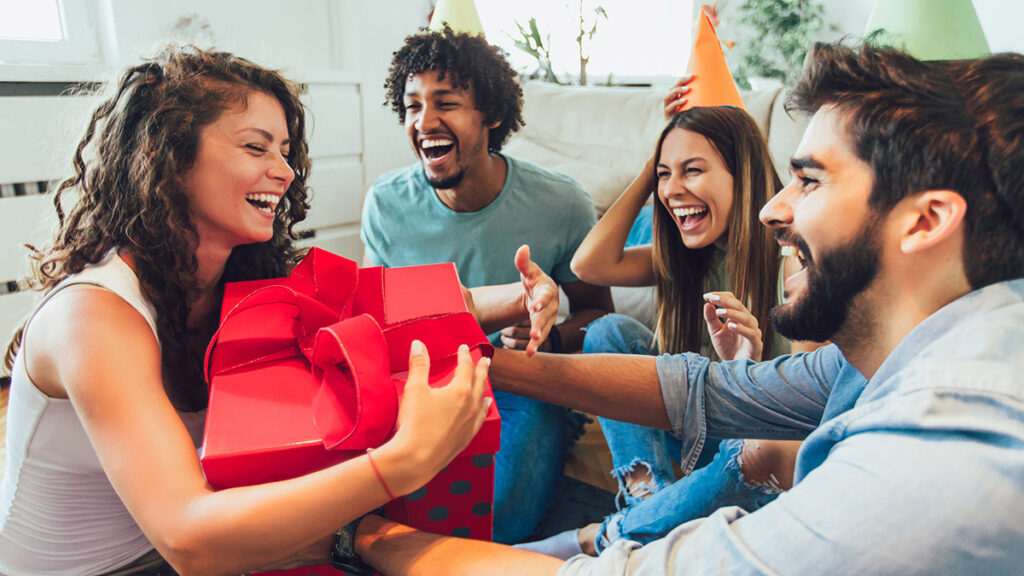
[[84, 330]]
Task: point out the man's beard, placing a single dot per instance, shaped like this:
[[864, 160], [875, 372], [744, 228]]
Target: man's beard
[[446, 183], [833, 280]]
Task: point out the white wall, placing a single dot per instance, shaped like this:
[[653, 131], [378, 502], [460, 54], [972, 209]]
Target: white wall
[[1000, 19], [340, 49]]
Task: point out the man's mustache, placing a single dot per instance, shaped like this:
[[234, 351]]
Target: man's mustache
[[787, 236]]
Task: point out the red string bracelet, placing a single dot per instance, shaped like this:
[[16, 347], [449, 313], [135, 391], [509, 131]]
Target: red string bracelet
[[379, 475]]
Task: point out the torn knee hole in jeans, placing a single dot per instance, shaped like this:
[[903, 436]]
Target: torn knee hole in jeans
[[755, 469], [634, 482]]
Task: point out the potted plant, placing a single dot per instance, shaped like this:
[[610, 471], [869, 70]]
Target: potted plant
[[770, 37], [538, 46]]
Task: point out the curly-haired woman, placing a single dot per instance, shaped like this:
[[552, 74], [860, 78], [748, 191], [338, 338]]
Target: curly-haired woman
[[192, 172]]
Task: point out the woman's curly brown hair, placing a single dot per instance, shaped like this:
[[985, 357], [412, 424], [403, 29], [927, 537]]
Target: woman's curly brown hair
[[127, 194], [470, 62]]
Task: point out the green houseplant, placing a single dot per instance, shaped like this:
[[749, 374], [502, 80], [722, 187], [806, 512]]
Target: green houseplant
[[538, 46], [776, 35]]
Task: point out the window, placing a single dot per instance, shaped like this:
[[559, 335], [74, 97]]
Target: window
[[47, 32], [640, 40]]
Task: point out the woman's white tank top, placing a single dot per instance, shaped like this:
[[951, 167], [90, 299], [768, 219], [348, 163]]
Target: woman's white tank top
[[58, 512]]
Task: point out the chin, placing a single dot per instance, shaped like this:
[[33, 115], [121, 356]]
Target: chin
[[444, 182], [695, 243]]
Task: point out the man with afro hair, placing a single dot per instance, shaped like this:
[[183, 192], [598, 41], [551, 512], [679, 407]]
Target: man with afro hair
[[465, 202]]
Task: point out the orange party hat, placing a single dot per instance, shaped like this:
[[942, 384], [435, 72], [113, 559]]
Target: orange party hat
[[712, 83]]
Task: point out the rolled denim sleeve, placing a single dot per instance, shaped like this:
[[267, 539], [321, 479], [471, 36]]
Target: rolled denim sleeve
[[780, 399]]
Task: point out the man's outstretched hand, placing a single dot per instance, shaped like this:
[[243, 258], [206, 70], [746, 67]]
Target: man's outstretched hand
[[539, 300]]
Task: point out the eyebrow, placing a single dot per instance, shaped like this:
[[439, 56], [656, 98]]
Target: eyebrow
[[267, 135], [797, 164], [442, 92], [684, 162]]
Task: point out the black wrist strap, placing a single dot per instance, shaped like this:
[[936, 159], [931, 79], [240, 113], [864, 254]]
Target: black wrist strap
[[343, 552]]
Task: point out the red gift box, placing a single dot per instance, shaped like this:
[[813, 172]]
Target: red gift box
[[307, 371]]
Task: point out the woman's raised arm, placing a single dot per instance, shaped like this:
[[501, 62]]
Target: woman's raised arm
[[602, 257]]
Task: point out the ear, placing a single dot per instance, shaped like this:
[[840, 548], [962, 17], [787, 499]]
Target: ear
[[930, 218], [494, 125]]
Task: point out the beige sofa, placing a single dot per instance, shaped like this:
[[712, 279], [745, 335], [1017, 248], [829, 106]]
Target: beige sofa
[[603, 136]]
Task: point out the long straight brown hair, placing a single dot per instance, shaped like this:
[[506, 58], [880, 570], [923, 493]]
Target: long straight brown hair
[[752, 256]]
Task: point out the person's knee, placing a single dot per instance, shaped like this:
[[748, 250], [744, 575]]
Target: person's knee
[[768, 463], [636, 480], [611, 333]]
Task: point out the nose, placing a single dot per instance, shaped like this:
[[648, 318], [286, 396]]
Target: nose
[[672, 186], [778, 212], [281, 171], [426, 120]]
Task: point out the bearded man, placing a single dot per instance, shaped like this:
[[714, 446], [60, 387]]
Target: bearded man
[[907, 210]]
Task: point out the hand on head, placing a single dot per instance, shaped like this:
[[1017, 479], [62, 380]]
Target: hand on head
[[676, 97], [734, 330], [442, 421], [540, 300]]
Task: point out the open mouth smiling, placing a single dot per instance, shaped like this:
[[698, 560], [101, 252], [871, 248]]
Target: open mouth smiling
[[265, 203], [792, 250], [436, 148], [690, 216]]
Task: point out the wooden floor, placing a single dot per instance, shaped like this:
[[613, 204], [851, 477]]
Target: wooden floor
[[590, 461]]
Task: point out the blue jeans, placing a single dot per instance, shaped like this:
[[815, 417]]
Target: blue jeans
[[528, 467], [642, 231], [654, 508], [697, 495], [632, 444]]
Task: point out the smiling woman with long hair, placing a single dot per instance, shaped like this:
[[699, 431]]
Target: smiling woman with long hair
[[192, 172], [716, 272]]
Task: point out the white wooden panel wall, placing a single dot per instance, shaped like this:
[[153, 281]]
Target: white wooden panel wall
[[38, 138], [337, 179]]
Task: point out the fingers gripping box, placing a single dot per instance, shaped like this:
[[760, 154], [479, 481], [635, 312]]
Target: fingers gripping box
[[307, 371]]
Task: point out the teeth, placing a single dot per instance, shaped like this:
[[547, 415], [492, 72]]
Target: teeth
[[435, 143], [679, 212], [788, 251], [266, 202]]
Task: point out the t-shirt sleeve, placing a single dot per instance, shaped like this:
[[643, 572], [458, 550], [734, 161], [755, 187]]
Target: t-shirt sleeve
[[580, 218], [371, 229]]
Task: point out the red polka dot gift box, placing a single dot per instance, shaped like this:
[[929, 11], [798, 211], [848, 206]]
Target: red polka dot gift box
[[307, 371]]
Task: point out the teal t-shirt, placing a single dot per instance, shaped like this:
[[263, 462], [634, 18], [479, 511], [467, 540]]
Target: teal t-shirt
[[405, 223]]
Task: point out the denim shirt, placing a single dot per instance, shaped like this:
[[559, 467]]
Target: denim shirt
[[918, 471]]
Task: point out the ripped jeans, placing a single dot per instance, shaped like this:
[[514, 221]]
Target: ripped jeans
[[652, 509]]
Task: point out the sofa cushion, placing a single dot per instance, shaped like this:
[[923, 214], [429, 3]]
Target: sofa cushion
[[600, 136]]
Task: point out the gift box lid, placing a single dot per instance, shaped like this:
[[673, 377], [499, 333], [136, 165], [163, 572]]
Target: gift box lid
[[260, 424]]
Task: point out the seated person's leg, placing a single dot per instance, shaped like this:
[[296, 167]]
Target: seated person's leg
[[642, 457], [528, 467], [721, 483], [618, 334]]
